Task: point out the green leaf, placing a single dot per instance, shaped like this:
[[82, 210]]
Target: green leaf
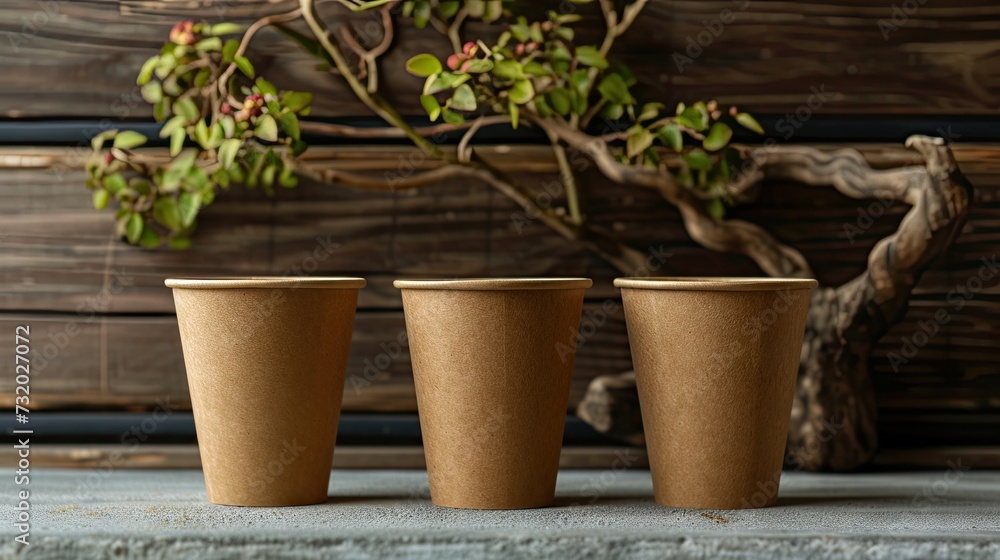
[[229, 51], [201, 134], [477, 66], [464, 98], [614, 90], [625, 73], [166, 212], [693, 118], [146, 72], [114, 183], [183, 163], [286, 178], [152, 92], [215, 135], [176, 122], [565, 33], [149, 239], [717, 137], [559, 100], [542, 107], [188, 206], [494, 9], [160, 109], [590, 56], [267, 128], [613, 111], [515, 114], [209, 44], [139, 185], [650, 111], [579, 80], [697, 159], [165, 64], [296, 101], [179, 243], [244, 65], [228, 151], [225, 29], [128, 139], [448, 9], [508, 70], [177, 141], [534, 68], [747, 121], [265, 87], [638, 141], [672, 137], [424, 65], [716, 209], [290, 124], [452, 118], [431, 105], [445, 80], [187, 108], [97, 142], [522, 92], [100, 199], [134, 227], [421, 14]]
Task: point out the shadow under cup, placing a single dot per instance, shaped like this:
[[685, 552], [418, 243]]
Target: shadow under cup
[[716, 361], [266, 361]]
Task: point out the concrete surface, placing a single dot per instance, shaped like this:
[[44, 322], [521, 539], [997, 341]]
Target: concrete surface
[[373, 514]]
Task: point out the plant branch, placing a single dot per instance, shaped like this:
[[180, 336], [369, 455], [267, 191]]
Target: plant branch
[[245, 42], [772, 256], [372, 101], [568, 180], [615, 29]]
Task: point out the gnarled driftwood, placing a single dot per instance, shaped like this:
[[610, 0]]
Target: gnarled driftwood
[[833, 416]]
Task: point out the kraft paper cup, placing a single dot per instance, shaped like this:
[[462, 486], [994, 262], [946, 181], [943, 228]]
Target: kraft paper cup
[[265, 360], [716, 361], [492, 361]]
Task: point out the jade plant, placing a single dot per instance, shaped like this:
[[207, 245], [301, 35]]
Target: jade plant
[[228, 126]]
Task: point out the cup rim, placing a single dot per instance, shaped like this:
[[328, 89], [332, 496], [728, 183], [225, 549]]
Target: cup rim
[[716, 284], [494, 284], [287, 282]]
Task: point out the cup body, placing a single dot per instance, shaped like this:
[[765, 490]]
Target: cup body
[[716, 361], [492, 362], [265, 360]]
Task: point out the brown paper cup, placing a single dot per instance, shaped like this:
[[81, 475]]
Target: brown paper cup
[[715, 362], [492, 361], [265, 361]]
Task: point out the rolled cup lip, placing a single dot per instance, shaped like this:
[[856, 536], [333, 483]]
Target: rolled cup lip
[[288, 282], [716, 284], [494, 284]]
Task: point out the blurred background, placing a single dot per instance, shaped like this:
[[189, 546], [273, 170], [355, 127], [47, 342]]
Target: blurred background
[[108, 372]]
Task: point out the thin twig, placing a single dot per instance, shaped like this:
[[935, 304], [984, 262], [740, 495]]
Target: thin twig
[[464, 152], [245, 42]]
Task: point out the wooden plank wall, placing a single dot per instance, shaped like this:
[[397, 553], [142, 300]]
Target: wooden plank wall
[[77, 59], [59, 263]]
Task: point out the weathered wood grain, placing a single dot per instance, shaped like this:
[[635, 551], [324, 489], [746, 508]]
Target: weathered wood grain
[[136, 362], [941, 59], [58, 264]]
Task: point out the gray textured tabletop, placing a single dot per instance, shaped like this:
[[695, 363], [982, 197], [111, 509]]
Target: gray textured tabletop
[[373, 514]]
